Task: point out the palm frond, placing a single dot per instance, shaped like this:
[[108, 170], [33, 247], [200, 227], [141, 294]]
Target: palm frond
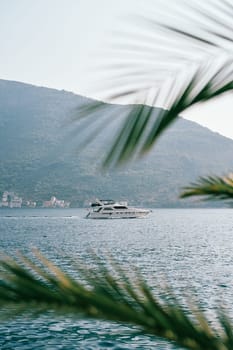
[[212, 21], [182, 64], [108, 294], [211, 187], [144, 123]]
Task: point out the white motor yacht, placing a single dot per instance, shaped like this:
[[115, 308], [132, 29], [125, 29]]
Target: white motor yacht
[[109, 209]]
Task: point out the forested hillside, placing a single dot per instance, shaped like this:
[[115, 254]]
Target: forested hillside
[[41, 154]]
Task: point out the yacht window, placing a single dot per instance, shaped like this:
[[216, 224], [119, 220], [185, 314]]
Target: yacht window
[[119, 207]]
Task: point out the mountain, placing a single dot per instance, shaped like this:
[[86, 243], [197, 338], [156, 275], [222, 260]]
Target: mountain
[[41, 153]]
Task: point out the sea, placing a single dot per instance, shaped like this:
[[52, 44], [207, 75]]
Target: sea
[[190, 250]]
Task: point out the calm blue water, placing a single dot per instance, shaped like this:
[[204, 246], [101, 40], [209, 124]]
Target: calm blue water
[[192, 249]]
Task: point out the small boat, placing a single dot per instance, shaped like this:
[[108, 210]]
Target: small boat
[[109, 209]]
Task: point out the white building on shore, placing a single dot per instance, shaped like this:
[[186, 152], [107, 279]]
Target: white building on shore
[[56, 203], [10, 200]]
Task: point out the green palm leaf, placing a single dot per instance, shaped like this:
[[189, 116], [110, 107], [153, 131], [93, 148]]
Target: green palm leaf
[[144, 124], [108, 293], [190, 63], [211, 188]]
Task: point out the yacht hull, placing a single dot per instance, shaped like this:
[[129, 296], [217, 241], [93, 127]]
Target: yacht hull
[[129, 215], [109, 209]]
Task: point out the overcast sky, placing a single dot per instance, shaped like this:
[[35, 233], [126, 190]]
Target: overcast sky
[[62, 43]]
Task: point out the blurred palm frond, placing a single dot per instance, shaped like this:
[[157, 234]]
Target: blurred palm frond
[[108, 293], [208, 24], [187, 59], [144, 123], [211, 187]]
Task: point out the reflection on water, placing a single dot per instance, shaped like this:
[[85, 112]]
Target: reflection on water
[[192, 249]]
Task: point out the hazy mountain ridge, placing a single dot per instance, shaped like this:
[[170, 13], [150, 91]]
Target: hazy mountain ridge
[[38, 157]]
